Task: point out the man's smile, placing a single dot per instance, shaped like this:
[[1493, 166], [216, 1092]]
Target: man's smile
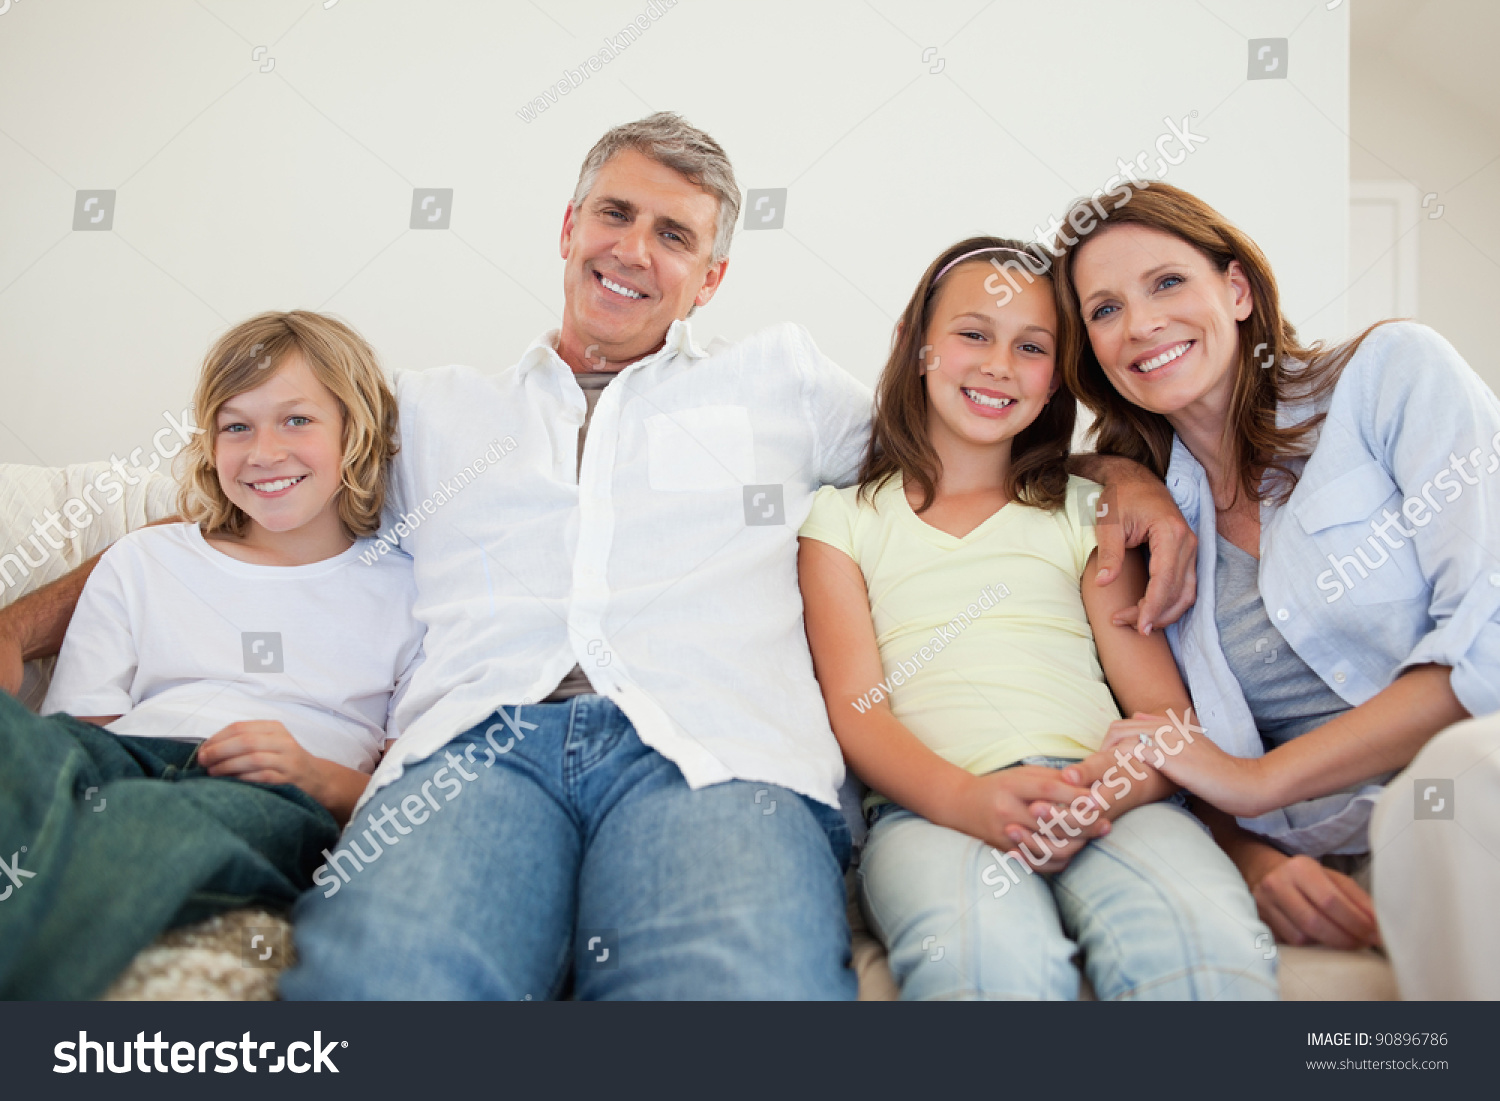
[[618, 288]]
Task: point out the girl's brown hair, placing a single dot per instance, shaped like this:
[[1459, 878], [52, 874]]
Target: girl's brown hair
[[1272, 367], [899, 443], [339, 358]]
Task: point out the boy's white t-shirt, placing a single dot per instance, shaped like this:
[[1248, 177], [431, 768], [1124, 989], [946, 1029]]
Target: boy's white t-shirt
[[180, 640]]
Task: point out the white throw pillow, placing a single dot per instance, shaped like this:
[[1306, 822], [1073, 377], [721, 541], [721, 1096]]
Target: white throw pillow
[[52, 519]]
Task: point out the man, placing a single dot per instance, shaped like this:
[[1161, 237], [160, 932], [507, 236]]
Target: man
[[616, 772]]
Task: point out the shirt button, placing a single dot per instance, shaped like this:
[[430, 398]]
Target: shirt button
[[1495, 580], [1282, 614], [1339, 677]]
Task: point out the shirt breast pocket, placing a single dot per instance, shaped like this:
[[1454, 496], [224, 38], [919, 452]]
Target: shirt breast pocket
[[1369, 552], [710, 447]]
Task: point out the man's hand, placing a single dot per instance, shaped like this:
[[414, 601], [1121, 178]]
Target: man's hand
[[12, 668], [262, 752], [1005, 809], [1141, 510], [1306, 903]]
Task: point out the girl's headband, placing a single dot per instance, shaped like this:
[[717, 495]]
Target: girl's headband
[[946, 268]]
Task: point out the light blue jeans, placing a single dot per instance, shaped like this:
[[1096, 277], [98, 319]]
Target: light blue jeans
[[579, 853], [1156, 908]]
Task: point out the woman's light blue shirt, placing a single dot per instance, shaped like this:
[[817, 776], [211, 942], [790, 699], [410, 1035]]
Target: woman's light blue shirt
[[1386, 556]]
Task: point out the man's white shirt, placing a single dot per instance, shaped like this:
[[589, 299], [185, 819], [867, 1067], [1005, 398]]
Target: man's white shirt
[[664, 564]]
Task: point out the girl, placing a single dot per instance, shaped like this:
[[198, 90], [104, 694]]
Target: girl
[[1347, 505], [241, 664], [958, 630]]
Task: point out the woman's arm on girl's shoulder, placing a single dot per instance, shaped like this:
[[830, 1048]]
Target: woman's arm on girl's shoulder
[[1143, 678], [998, 808], [1143, 514]]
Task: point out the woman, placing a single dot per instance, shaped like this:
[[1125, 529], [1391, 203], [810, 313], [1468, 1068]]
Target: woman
[[1346, 502]]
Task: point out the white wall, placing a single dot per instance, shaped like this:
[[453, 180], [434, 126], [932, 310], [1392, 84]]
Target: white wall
[[1425, 109], [239, 191]]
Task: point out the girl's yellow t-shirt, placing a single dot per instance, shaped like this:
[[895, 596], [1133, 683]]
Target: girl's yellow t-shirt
[[986, 647]]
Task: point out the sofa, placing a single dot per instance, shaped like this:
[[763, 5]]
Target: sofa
[[210, 960]]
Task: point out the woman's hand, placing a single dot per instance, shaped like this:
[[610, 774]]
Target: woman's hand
[[1124, 782], [1306, 903], [1302, 901], [1180, 750], [1028, 805], [1135, 509]]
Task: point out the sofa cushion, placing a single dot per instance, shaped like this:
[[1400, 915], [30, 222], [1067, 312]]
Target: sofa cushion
[[70, 506]]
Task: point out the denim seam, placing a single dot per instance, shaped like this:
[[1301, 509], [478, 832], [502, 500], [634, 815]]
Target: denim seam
[[590, 739]]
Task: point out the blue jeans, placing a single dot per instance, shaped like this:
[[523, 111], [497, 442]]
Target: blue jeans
[[577, 851], [1156, 908]]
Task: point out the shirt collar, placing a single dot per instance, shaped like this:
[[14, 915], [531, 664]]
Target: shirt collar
[[543, 349], [1186, 480]]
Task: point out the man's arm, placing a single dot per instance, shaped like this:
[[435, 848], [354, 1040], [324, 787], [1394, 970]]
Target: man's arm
[[1135, 509], [33, 627]]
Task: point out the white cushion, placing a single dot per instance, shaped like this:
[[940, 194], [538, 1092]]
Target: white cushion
[[29, 494]]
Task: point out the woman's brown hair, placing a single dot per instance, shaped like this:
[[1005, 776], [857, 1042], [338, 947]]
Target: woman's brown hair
[[248, 355], [899, 443], [1272, 367]]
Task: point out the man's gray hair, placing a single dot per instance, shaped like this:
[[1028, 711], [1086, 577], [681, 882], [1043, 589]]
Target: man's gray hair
[[670, 140]]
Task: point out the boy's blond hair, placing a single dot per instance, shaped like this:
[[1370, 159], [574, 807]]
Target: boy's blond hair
[[339, 358]]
